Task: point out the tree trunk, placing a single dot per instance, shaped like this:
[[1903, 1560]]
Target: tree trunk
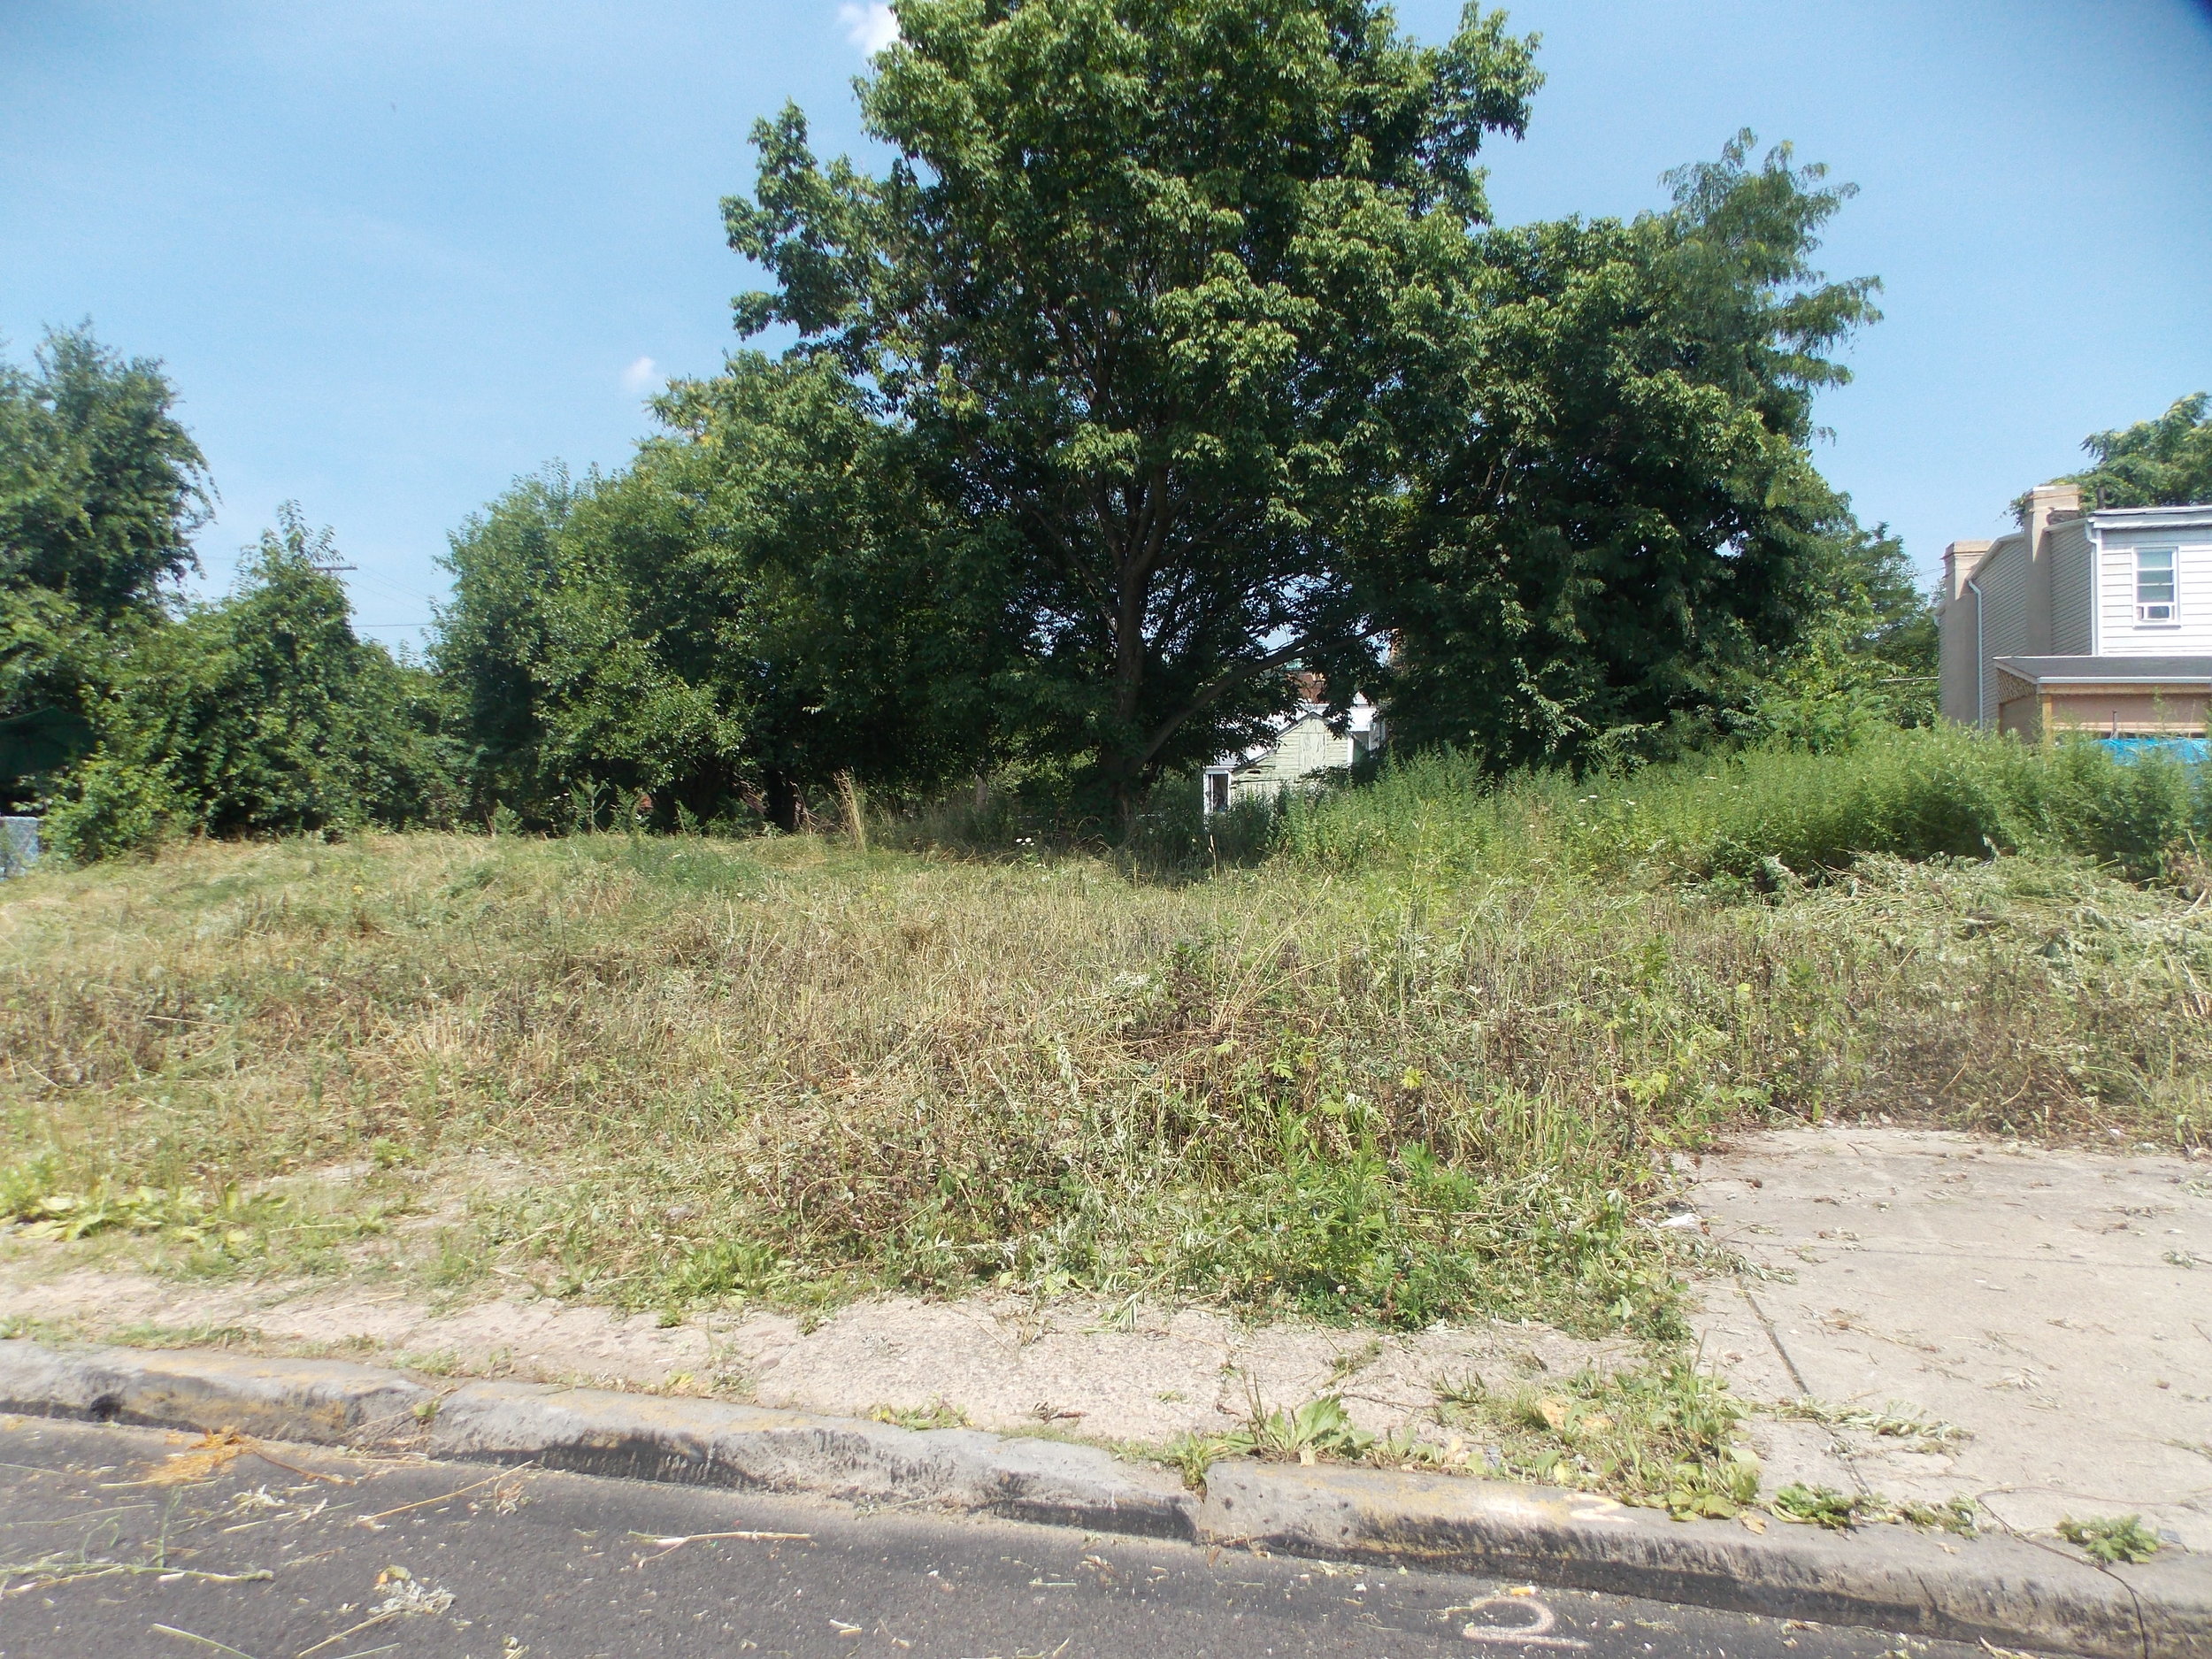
[[1125, 790], [783, 801]]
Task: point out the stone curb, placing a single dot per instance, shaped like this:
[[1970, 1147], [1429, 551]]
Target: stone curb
[[2008, 1591]]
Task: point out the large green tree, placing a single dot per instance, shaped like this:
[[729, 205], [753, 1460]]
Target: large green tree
[[493, 639], [861, 612], [100, 490], [1621, 526], [1138, 279], [100, 486], [588, 646], [2162, 463]]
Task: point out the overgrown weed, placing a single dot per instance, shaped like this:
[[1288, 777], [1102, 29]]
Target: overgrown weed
[[1664, 1435], [1840, 1511], [786, 1070], [2112, 1539], [1766, 817]]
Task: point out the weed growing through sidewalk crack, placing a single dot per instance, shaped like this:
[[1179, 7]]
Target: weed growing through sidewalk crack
[[1319, 1428], [1355, 1359], [936, 1415], [1664, 1436], [1192, 1454], [1895, 1422], [1820, 1506], [2111, 1538], [1840, 1511]]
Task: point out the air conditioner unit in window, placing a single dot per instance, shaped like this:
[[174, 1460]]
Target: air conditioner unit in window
[[2154, 613]]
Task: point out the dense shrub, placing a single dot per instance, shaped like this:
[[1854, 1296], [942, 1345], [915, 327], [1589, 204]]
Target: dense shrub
[[259, 715]]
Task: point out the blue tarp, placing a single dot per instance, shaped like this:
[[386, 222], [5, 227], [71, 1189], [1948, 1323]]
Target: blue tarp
[[2194, 750]]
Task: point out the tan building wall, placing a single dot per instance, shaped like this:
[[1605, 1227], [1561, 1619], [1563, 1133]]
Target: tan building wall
[[2119, 710], [2045, 502], [1306, 748]]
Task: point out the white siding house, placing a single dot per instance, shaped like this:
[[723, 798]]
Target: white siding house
[[1303, 750], [2178, 537], [2082, 621]]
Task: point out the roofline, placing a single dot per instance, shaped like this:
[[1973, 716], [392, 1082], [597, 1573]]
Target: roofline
[[2004, 666], [2112, 680], [2151, 518]]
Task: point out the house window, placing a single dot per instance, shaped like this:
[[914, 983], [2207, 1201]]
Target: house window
[[2155, 584], [1216, 792]]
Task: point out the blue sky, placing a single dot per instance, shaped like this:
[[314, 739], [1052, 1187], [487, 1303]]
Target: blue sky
[[396, 253]]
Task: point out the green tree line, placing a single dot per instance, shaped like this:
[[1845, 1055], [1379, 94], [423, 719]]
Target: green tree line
[[1173, 349], [130, 714]]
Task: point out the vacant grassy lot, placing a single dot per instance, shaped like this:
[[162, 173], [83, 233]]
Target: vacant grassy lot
[[674, 1069]]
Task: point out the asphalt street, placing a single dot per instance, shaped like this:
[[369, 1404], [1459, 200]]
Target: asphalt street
[[123, 1542]]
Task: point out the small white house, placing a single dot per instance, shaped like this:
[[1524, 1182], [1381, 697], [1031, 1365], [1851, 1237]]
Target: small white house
[[2095, 622], [1303, 750]]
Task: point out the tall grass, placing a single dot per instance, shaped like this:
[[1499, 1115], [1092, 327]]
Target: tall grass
[[1767, 815], [790, 1069]]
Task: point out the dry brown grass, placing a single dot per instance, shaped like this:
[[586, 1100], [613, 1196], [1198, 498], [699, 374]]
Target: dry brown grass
[[788, 1069]]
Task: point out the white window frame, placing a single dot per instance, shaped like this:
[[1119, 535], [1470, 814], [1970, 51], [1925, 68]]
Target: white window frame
[[2172, 605]]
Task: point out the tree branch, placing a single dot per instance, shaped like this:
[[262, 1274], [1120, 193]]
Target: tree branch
[[1214, 692]]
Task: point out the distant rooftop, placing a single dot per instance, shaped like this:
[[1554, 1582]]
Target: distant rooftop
[[2193, 512], [2099, 671]]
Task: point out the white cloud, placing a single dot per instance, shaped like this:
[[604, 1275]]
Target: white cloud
[[640, 376], [871, 26]]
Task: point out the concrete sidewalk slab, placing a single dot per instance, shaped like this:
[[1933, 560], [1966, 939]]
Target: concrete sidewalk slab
[[1105, 1371], [2056, 1306]]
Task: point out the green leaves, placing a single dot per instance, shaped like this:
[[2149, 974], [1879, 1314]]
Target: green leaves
[[2111, 1538], [260, 714], [138, 715], [33, 1197], [1617, 524], [1319, 1428], [1824, 1506], [100, 487], [1819, 1506], [1190, 313], [2162, 463], [766, 597], [1132, 287]]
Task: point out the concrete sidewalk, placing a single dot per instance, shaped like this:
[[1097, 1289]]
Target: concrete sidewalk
[[1922, 1316], [2047, 1314], [1082, 1368]]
